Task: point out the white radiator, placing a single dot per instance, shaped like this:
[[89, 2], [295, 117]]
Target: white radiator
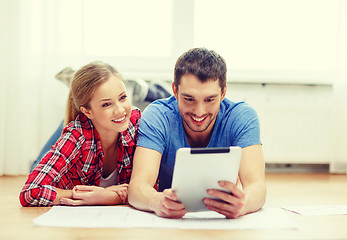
[[296, 121], [296, 134]]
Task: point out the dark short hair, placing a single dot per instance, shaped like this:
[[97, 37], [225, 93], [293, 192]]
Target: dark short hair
[[204, 64]]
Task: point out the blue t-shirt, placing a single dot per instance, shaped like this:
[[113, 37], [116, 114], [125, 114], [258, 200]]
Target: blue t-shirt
[[161, 129]]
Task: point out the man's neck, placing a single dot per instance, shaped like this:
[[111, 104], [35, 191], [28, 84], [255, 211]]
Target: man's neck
[[198, 140]]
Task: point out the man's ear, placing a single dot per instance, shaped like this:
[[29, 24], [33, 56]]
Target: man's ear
[[224, 92], [86, 112], [174, 90]]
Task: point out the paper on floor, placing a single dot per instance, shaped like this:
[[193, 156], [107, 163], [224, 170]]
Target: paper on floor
[[318, 210], [127, 217]]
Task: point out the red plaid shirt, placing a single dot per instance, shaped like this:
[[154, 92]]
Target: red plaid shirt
[[76, 159]]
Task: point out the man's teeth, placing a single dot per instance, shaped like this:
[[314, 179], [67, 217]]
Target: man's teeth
[[198, 119], [119, 120]]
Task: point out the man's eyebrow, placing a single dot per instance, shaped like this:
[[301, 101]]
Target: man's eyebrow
[[213, 96], [188, 95]]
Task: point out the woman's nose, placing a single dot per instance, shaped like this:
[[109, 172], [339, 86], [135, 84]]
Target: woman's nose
[[118, 108]]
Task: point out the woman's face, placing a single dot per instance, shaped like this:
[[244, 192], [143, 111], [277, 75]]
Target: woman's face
[[110, 107]]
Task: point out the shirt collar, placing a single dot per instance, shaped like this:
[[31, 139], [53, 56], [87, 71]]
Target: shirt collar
[[128, 136]]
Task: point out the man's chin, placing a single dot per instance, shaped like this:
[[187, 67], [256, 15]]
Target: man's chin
[[198, 129], [195, 127]]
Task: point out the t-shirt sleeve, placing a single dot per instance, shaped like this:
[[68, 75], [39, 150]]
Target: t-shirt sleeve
[[152, 129], [246, 127]]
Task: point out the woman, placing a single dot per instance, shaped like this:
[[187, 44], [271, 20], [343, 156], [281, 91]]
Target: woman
[[91, 162]]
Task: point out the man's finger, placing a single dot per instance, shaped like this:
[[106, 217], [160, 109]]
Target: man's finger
[[231, 188], [173, 205], [168, 193], [224, 196]]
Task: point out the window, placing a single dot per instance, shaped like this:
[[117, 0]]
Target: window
[[277, 39], [292, 41], [127, 28]]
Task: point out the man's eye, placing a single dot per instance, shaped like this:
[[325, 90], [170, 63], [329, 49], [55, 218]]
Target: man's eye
[[209, 100], [106, 104], [189, 99]]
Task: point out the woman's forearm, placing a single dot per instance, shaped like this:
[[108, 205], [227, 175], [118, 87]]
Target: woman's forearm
[[62, 193]]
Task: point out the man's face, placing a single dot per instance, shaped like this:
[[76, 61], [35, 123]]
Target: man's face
[[198, 103]]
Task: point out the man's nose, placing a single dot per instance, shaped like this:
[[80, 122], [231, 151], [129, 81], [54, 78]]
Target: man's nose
[[199, 109]]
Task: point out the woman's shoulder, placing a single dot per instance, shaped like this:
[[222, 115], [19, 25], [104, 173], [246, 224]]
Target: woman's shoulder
[[80, 127], [135, 112], [135, 115]]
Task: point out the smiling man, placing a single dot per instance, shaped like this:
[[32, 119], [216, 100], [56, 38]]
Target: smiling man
[[198, 115]]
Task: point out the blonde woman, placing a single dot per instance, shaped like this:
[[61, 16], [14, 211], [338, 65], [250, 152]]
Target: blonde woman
[[91, 162]]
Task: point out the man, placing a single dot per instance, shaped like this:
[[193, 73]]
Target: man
[[198, 115]]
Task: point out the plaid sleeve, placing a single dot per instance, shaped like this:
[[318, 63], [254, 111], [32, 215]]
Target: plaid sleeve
[[39, 189]]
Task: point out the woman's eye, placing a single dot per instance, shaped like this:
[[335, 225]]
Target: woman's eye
[[106, 104], [123, 97]]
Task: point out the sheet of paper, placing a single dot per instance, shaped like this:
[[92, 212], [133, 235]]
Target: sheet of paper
[[127, 217], [318, 210]]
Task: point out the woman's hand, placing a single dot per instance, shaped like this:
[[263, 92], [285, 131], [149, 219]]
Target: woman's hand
[[94, 195], [121, 190]]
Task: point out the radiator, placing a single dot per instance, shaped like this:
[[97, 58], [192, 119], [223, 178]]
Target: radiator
[[296, 133]]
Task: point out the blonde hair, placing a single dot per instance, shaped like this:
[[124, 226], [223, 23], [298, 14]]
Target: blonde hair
[[83, 85]]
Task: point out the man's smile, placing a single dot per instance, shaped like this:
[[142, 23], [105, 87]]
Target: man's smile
[[198, 119]]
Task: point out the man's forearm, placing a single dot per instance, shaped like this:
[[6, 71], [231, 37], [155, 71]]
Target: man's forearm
[[142, 196], [255, 197]]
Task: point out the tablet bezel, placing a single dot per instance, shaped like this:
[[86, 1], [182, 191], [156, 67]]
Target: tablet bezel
[[199, 169]]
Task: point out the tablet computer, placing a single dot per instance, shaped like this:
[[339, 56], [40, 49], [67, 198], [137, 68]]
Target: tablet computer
[[199, 169]]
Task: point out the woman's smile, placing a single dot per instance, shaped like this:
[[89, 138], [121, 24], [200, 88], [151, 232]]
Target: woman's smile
[[120, 120]]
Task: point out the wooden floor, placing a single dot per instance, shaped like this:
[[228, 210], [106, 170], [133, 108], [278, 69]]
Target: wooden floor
[[283, 189]]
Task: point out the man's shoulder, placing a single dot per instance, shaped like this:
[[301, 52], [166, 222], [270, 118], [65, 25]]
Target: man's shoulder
[[161, 107], [230, 107]]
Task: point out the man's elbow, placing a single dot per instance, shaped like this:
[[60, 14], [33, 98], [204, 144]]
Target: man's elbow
[[132, 189], [264, 193]]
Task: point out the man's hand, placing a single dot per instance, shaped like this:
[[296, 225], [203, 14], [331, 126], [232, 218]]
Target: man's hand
[[94, 195], [168, 206], [229, 204]]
